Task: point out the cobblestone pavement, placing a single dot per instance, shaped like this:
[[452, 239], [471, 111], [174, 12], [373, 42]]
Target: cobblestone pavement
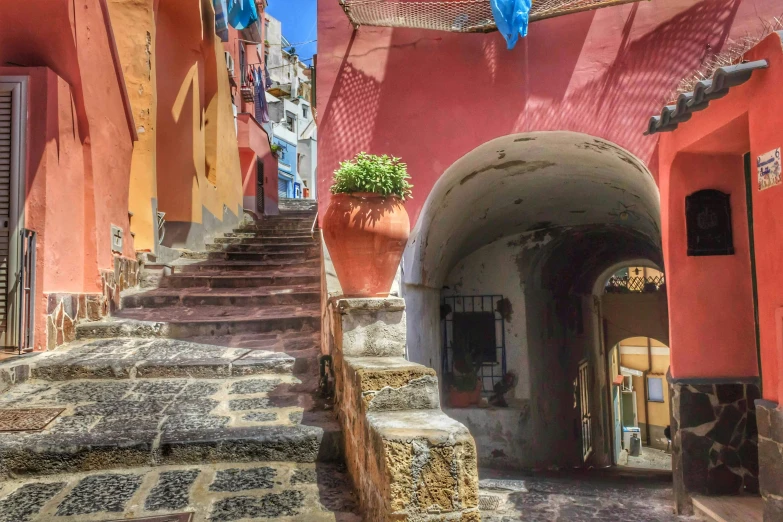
[[596, 495], [216, 493]]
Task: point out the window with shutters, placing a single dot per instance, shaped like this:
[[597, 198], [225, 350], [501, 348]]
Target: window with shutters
[[7, 173]]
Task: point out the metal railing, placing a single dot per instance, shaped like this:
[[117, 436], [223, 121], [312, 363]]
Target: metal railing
[[626, 284], [315, 224], [26, 288]]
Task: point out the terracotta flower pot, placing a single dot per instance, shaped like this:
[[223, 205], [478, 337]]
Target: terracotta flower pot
[[365, 234], [464, 399]]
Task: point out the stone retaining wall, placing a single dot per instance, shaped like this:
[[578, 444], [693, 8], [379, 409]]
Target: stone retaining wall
[[408, 460], [770, 426], [714, 440], [65, 310]]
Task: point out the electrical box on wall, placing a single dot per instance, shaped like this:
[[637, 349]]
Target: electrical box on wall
[[116, 238]]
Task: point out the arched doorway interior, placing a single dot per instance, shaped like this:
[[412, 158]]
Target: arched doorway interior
[[525, 225]]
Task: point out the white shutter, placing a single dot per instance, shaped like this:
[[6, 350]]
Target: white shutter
[[5, 199], [282, 188]]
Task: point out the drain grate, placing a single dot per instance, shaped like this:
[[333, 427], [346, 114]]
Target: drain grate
[[27, 419], [177, 517], [488, 502]]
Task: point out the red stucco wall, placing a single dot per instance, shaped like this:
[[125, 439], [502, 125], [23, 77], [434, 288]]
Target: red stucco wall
[[254, 143], [710, 300], [431, 97]]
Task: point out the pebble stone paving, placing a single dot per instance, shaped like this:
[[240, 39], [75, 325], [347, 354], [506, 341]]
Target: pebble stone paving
[[152, 405], [589, 496], [214, 493]]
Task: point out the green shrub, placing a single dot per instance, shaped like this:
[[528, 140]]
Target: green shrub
[[383, 175]]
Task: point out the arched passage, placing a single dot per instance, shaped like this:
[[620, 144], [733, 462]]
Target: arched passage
[[529, 221]]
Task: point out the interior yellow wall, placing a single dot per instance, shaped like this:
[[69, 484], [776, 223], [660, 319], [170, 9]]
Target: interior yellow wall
[[133, 22], [659, 411]]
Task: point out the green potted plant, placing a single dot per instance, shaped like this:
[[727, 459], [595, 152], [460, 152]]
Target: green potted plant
[[464, 383], [366, 226]]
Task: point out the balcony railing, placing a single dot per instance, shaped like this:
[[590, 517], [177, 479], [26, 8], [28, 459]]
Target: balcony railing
[[461, 16], [626, 284]]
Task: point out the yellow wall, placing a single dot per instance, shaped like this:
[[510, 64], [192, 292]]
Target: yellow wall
[[659, 411], [192, 164], [133, 22]]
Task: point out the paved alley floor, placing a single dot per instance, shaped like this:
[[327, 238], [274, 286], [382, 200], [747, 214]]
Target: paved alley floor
[[650, 458], [580, 496]]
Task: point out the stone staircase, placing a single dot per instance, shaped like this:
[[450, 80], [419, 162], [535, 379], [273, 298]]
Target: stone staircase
[[199, 396], [297, 205]]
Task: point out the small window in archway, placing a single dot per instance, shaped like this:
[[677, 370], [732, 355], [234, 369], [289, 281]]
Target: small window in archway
[[708, 222]]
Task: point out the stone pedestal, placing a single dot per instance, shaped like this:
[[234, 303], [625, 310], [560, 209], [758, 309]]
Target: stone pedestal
[[714, 439], [770, 426], [409, 461]]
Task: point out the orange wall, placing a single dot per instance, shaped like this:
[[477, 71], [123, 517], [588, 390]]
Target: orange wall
[[80, 140], [197, 159], [710, 299]]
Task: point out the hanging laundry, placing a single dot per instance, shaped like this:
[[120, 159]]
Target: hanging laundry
[[242, 13], [221, 25], [511, 18], [267, 78], [295, 83], [260, 105], [252, 33]]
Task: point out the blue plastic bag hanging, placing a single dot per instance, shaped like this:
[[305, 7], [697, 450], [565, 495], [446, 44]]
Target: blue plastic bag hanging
[[511, 18], [241, 13]]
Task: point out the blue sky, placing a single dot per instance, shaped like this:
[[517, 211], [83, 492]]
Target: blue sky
[[298, 18]]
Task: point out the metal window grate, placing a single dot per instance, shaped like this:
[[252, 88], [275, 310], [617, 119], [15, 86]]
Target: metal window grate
[[490, 372], [461, 16]]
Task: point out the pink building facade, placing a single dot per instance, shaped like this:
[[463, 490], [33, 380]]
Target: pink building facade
[[533, 183]]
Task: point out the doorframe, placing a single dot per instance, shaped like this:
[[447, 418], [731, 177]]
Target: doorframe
[[747, 167], [19, 86]]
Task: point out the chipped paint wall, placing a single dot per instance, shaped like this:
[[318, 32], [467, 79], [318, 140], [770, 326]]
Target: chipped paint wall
[[544, 345], [494, 269]]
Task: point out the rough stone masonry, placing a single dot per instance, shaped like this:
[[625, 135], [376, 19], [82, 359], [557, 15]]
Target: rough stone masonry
[[408, 460]]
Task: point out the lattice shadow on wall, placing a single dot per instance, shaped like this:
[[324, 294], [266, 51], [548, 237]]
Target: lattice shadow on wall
[[461, 16]]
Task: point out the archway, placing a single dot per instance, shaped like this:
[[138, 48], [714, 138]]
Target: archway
[[530, 222]]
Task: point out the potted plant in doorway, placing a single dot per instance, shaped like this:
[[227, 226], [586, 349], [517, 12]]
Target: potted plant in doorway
[[464, 383], [366, 226]]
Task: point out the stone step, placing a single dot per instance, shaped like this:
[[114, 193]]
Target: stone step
[[277, 229], [110, 424], [729, 508], [254, 245], [230, 237], [184, 322], [239, 279], [224, 265], [391, 384], [222, 297], [124, 358], [301, 492], [284, 255]]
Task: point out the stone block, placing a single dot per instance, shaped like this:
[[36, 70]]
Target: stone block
[[771, 470], [392, 383], [372, 327], [695, 408], [428, 463]]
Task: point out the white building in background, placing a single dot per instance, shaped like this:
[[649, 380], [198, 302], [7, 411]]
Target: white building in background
[[291, 115]]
